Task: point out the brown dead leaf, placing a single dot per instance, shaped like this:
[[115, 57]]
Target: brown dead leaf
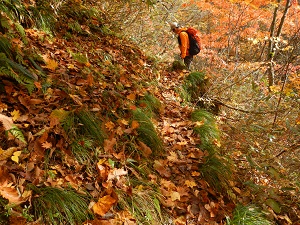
[[173, 157], [76, 99], [35, 101], [146, 151], [135, 124], [6, 121], [90, 80], [161, 168], [5, 154], [46, 145], [10, 193], [109, 145], [131, 97], [110, 125], [103, 205]]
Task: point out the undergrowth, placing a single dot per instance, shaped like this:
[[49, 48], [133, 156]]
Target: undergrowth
[[57, 206]]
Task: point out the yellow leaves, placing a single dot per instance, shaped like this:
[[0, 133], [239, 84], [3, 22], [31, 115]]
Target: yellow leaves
[[277, 89], [5, 154], [175, 196], [190, 183], [15, 156], [50, 63], [110, 125], [173, 157], [103, 205], [15, 115]]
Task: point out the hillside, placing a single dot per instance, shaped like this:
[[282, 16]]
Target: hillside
[[109, 82]]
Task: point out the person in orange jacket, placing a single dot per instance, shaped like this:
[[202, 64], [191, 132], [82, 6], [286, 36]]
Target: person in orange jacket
[[183, 40]]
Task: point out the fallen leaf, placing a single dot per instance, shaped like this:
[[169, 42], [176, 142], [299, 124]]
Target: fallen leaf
[[134, 124], [173, 157], [131, 96], [6, 121], [109, 125], [103, 205], [190, 183], [15, 115], [15, 156], [11, 194], [51, 64], [116, 173], [5, 154], [46, 145], [175, 196], [146, 151], [109, 145]]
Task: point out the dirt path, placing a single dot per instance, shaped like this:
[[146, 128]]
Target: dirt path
[[188, 197]]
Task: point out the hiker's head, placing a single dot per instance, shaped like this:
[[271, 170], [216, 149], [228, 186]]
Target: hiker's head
[[174, 26]]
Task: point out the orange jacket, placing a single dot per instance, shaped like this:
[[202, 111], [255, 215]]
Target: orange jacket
[[185, 44]]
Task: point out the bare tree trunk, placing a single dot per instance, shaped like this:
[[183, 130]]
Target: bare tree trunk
[[270, 70], [273, 39]]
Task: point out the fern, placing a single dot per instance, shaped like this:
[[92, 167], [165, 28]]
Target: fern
[[5, 48], [17, 133], [21, 31]]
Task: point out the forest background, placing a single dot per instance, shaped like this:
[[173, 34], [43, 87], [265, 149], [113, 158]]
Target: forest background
[[102, 125]]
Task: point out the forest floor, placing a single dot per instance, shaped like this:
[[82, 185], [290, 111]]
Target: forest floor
[[69, 85]]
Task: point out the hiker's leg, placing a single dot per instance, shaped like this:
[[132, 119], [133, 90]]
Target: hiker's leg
[[187, 61]]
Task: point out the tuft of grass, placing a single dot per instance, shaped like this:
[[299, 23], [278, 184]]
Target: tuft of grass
[[84, 152], [194, 86], [216, 171], [144, 206], [150, 104], [207, 129], [57, 206], [146, 131], [91, 125], [248, 215]]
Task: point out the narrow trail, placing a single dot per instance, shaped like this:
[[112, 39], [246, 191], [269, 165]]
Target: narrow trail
[[190, 198]]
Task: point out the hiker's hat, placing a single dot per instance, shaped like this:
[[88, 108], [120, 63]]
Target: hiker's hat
[[174, 25]]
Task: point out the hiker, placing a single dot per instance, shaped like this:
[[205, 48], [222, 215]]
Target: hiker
[[184, 43]]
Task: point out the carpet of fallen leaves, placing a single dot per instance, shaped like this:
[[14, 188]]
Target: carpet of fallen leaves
[[73, 85]]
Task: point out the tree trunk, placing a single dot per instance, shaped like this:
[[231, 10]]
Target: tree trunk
[[273, 39]]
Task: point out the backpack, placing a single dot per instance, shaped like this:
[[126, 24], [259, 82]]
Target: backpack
[[194, 39]]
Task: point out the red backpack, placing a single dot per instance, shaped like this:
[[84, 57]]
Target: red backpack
[[194, 39]]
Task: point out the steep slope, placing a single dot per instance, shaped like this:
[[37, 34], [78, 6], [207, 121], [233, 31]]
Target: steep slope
[[103, 83]]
